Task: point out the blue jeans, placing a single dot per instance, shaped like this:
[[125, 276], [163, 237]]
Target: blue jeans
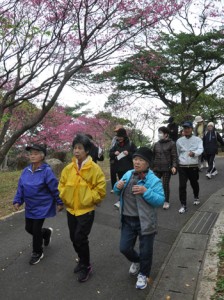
[[130, 230]]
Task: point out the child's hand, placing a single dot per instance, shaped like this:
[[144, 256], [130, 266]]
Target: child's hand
[[60, 208], [116, 153], [138, 189], [16, 206], [120, 184]]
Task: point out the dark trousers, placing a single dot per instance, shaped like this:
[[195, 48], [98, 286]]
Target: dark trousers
[[120, 174], [113, 175], [79, 229], [34, 227], [130, 230], [165, 176], [211, 163], [185, 173]]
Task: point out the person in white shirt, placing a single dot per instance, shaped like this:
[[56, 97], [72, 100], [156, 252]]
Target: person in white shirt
[[189, 148]]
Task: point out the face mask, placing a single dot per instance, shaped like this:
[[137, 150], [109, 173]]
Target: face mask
[[160, 136]]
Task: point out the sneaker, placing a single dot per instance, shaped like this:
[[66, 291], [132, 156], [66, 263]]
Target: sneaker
[[141, 282], [134, 268], [78, 268], [47, 240], [183, 209], [215, 173], [208, 175], [117, 204], [84, 273], [112, 191], [196, 201], [35, 258], [166, 205]]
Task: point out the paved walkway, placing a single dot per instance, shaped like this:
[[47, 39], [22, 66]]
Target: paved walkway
[[179, 253]]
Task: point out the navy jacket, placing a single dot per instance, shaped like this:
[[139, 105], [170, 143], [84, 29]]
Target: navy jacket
[[210, 142]]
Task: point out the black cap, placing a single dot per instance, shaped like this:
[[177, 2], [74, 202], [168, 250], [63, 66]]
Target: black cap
[[188, 124], [37, 147], [144, 153], [121, 133]]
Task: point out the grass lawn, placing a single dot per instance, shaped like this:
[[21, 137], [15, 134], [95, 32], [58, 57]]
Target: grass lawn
[[8, 186]]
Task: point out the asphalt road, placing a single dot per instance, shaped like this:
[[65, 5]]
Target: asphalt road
[[53, 277]]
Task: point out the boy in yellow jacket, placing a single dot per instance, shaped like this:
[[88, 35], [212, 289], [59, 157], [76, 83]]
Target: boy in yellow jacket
[[82, 186]]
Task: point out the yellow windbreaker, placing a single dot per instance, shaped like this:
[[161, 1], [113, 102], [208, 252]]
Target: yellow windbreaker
[[81, 190]]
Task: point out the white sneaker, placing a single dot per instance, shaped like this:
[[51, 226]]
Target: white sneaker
[[208, 175], [134, 268], [117, 204], [112, 191], [166, 205], [182, 210], [215, 173], [196, 201], [141, 282]]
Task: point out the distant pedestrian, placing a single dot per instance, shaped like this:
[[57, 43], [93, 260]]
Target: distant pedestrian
[[140, 193], [121, 155], [165, 161], [95, 152], [113, 174], [189, 148], [82, 186], [173, 128], [199, 131], [38, 189], [211, 140]]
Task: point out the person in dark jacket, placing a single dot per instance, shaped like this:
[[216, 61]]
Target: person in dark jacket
[[121, 155], [173, 128], [210, 143], [95, 152], [38, 189], [165, 161]]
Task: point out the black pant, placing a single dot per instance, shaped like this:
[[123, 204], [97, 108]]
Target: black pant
[[185, 173], [211, 163], [34, 227], [165, 176], [113, 175], [79, 229]]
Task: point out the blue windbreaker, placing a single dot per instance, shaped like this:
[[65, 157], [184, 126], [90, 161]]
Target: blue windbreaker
[[39, 191]]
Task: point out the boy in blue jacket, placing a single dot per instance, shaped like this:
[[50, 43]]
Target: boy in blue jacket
[[140, 193], [38, 188]]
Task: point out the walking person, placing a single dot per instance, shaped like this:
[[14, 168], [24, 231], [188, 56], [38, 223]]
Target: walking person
[[140, 192], [210, 142], [38, 189], [95, 152], [113, 174], [165, 161], [121, 153], [173, 128], [189, 148], [82, 186], [199, 131]]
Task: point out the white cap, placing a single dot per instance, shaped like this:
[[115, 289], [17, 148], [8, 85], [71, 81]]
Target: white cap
[[211, 124], [198, 119]]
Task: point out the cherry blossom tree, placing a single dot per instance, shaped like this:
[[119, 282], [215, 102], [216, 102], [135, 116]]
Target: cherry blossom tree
[[43, 43], [57, 130]]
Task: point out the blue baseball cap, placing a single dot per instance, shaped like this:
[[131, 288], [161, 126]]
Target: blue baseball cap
[[188, 124]]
